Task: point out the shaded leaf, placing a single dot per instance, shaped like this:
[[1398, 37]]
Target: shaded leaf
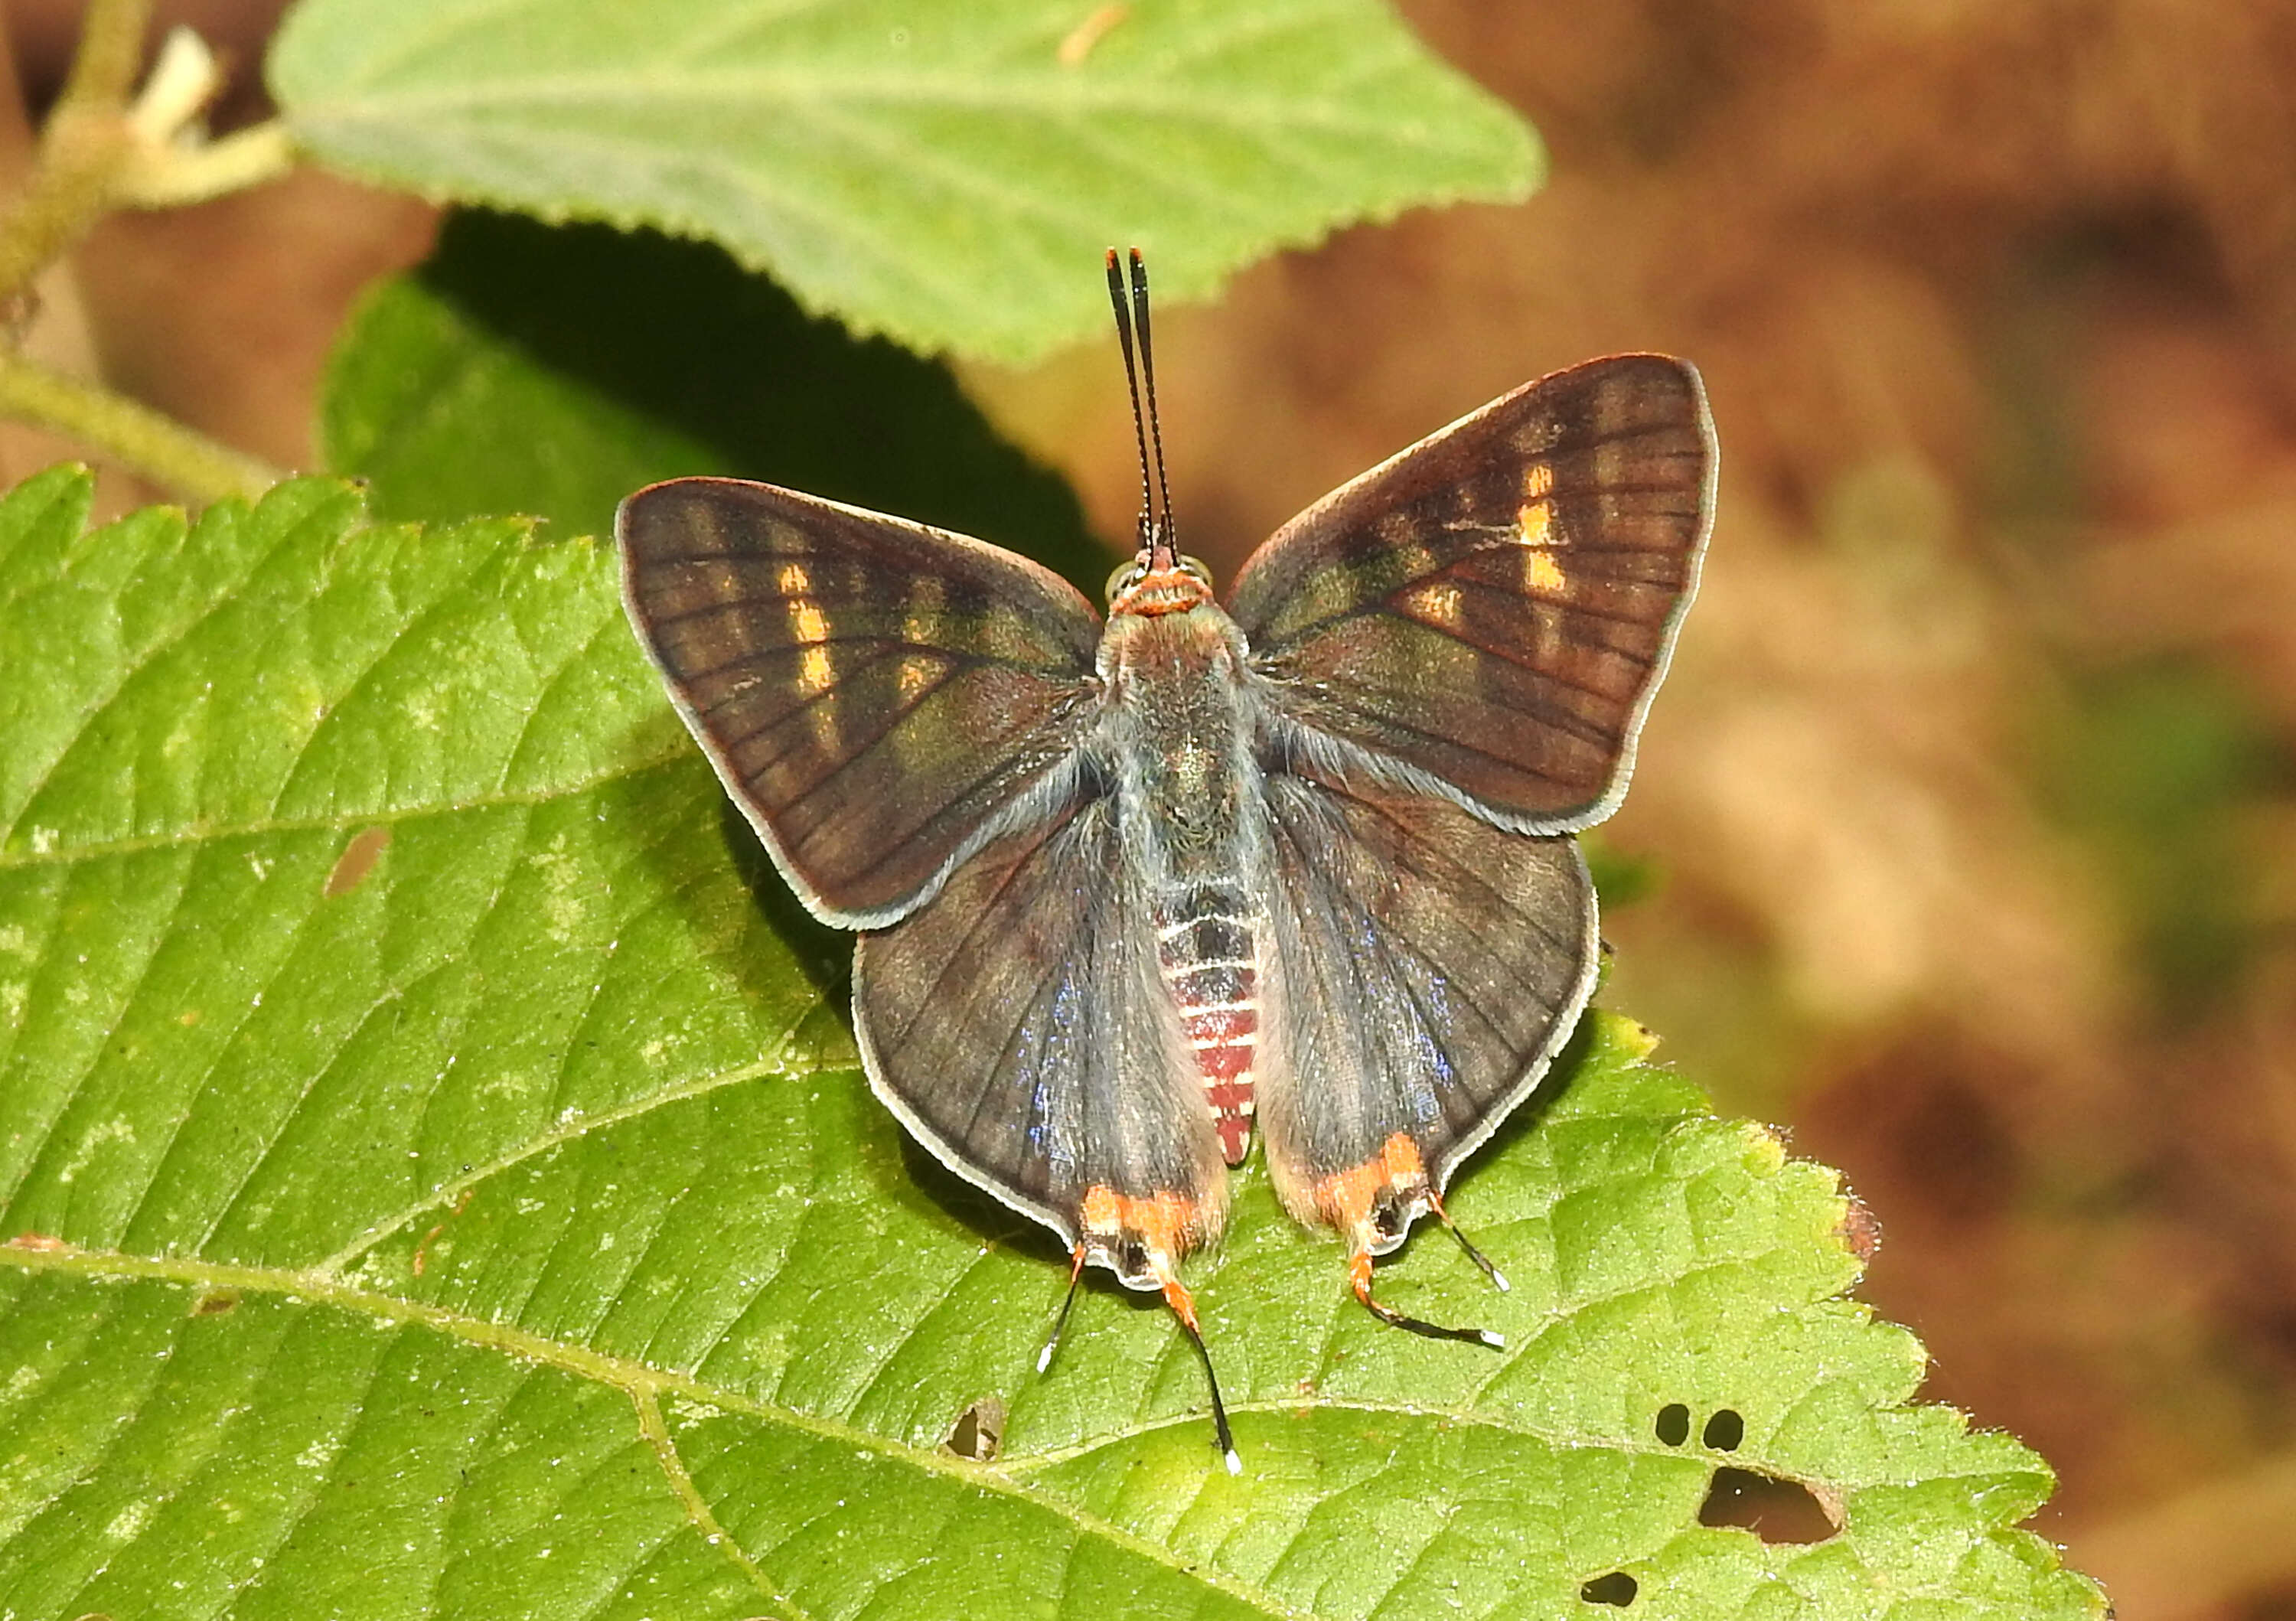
[[945, 174], [490, 1219], [552, 370]]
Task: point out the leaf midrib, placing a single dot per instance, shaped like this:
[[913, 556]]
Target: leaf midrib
[[645, 1385], [635, 1379]]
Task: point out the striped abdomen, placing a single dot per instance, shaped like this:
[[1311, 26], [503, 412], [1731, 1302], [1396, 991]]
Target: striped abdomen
[[1204, 942]]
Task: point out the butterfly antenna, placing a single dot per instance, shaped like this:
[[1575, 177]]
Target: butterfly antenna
[[1165, 529], [1147, 526], [1060, 1323]]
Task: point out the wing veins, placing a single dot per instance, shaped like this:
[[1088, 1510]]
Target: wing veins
[[852, 757], [779, 650], [987, 905], [1504, 656], [791, 713], [1561, 604], [1388, 606], [1386, 926], [909, 837], [1572, 728]]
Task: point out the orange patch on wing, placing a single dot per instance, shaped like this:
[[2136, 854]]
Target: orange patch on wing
[[1438, 602], [1165, 1223], [1534, 520], [1346, 1197], [1533, 531]]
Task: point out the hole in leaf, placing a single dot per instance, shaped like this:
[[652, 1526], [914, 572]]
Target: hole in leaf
[[1617, 1588], [979, 1430], [1724, 1431], [1673, 1423], [1773, 1509]]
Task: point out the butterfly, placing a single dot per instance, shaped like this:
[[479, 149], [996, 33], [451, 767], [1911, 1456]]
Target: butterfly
[[1298, 861]]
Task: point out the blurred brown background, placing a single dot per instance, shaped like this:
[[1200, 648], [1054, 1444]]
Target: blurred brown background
[[1970, 811]]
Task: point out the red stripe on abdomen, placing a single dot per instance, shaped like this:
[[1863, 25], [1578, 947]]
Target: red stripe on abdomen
[[1219, 1014]]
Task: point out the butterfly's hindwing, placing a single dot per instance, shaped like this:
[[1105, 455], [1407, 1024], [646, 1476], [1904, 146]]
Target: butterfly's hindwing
[[1017, 1023], [1488, 614], [873, 693], [1429, 966]]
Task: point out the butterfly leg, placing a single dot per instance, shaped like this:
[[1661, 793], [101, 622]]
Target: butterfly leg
[[1142, 1241], [1374, 1205]]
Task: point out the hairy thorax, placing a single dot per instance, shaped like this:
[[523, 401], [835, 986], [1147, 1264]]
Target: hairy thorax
[[1194, 833]]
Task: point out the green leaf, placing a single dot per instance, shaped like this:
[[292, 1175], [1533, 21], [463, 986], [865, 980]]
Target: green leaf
[[434, 1187], [552, 370], [946, 174]]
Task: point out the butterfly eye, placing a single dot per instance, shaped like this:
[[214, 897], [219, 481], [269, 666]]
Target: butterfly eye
[[1197, 571], [1126, 576]]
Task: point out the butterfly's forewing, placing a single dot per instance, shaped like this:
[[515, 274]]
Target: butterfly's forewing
[[1015, 1023], [1486, 614], [874, 693], [1429, 964]]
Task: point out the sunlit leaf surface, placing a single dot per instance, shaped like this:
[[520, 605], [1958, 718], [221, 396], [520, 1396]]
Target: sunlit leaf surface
[[432, 1187], [944, 173]]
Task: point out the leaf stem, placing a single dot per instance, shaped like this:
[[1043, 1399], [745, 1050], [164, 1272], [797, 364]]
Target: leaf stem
[[150, 442], [193, 173], [86, 142], [101, 150], [110, 47]]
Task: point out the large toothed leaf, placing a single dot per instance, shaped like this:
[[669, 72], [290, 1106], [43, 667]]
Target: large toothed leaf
[[429, 1186], [946, 173]]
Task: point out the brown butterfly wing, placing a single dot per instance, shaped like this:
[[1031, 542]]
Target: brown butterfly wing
[[1017, 1024], [876, 694], [1491, 610], [1429, 966]]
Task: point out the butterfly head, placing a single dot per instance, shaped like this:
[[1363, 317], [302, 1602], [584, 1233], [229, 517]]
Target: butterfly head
[[1159, 581]]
